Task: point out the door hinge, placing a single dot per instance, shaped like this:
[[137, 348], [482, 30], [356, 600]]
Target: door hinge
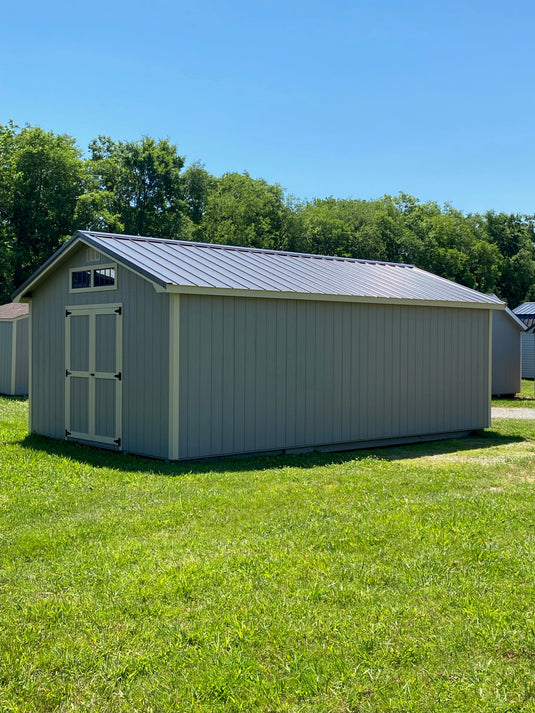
[[67, 373], [67, 433], [118, 310], [118, 441], [118, 376]]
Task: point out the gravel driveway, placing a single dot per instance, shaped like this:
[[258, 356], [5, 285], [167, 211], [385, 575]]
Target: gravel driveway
[[501, 412]]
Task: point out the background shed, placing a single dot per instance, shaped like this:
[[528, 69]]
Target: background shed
[[526, 313], [507, 331], [185, 350], [14, 349]]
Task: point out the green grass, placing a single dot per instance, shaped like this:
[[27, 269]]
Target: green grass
[[392, 580], [525, 399]]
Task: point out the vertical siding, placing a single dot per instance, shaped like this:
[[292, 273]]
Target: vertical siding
[[275, 374], [6, 354], [145, 407], [506, 340], [22, 355], [528, 355]]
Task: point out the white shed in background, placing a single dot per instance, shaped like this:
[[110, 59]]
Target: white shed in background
[[507, 331], [526, 312], [14, 349]]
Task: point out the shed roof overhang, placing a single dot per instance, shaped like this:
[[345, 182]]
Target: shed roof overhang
[[512, 316], [319, 297]]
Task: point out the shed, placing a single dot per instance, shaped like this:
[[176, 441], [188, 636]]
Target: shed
[[526, 312], [14, 349], [183, 350], [507, 332]]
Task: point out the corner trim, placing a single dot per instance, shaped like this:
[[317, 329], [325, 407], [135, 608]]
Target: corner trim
[[490, 369], [13, 357], [30, 370], [174, 377]]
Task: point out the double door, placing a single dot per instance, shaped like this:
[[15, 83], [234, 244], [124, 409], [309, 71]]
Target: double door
[[93, 373]]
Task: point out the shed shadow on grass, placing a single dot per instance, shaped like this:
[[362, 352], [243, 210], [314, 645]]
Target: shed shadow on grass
[[101, 458]]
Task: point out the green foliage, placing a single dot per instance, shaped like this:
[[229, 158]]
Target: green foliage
[[241, 210], [514, 236], [135, 186], [197, 184], [41, 179], [398, 579], [485, 264], [139, 187], [346, 228]]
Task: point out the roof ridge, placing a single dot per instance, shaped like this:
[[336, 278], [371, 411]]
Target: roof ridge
[[242, 248]]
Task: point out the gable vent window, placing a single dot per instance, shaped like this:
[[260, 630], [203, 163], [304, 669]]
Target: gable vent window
[[81, 279], [104, 277], [92, 255], [93, 278]]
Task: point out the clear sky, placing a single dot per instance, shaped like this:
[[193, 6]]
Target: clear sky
[[350, 99]]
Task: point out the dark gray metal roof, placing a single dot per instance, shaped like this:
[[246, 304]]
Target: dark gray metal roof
[[188, 264], [183, 266]]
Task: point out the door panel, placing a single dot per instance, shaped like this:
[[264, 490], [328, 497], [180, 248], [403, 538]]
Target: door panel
[[79, 345], [93, 386], [79, 406], [105, 407], [105, 343]]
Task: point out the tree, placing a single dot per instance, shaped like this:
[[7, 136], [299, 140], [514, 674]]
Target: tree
[[41, 179], [136, 187], [196, 186], [485, 263], [514, 237], [354, 228], [241, 210]]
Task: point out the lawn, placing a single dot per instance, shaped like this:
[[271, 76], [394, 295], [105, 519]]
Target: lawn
[[392, 580], [525, 399]]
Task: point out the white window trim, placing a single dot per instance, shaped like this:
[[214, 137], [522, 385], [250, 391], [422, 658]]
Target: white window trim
[[91, 269]]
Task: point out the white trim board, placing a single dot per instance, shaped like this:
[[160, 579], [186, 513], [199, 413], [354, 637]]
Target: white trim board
[[174, 376]]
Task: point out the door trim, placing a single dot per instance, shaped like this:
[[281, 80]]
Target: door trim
[[92, 311]]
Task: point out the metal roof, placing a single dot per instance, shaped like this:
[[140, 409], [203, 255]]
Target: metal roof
[[183, 266], [182, 263], [526, 312], [13, 310], [525, 308]]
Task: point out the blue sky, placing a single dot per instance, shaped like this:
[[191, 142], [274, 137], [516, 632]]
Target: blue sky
[[350, 99]]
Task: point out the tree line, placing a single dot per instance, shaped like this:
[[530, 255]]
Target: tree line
[[48, 190]]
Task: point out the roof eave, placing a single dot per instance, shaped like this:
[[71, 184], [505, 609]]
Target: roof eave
[[322, 297], [519, 323]]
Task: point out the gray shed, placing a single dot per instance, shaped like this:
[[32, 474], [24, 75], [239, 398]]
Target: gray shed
[[526, 312], [507, 331], [183, 350], [14, 349]]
